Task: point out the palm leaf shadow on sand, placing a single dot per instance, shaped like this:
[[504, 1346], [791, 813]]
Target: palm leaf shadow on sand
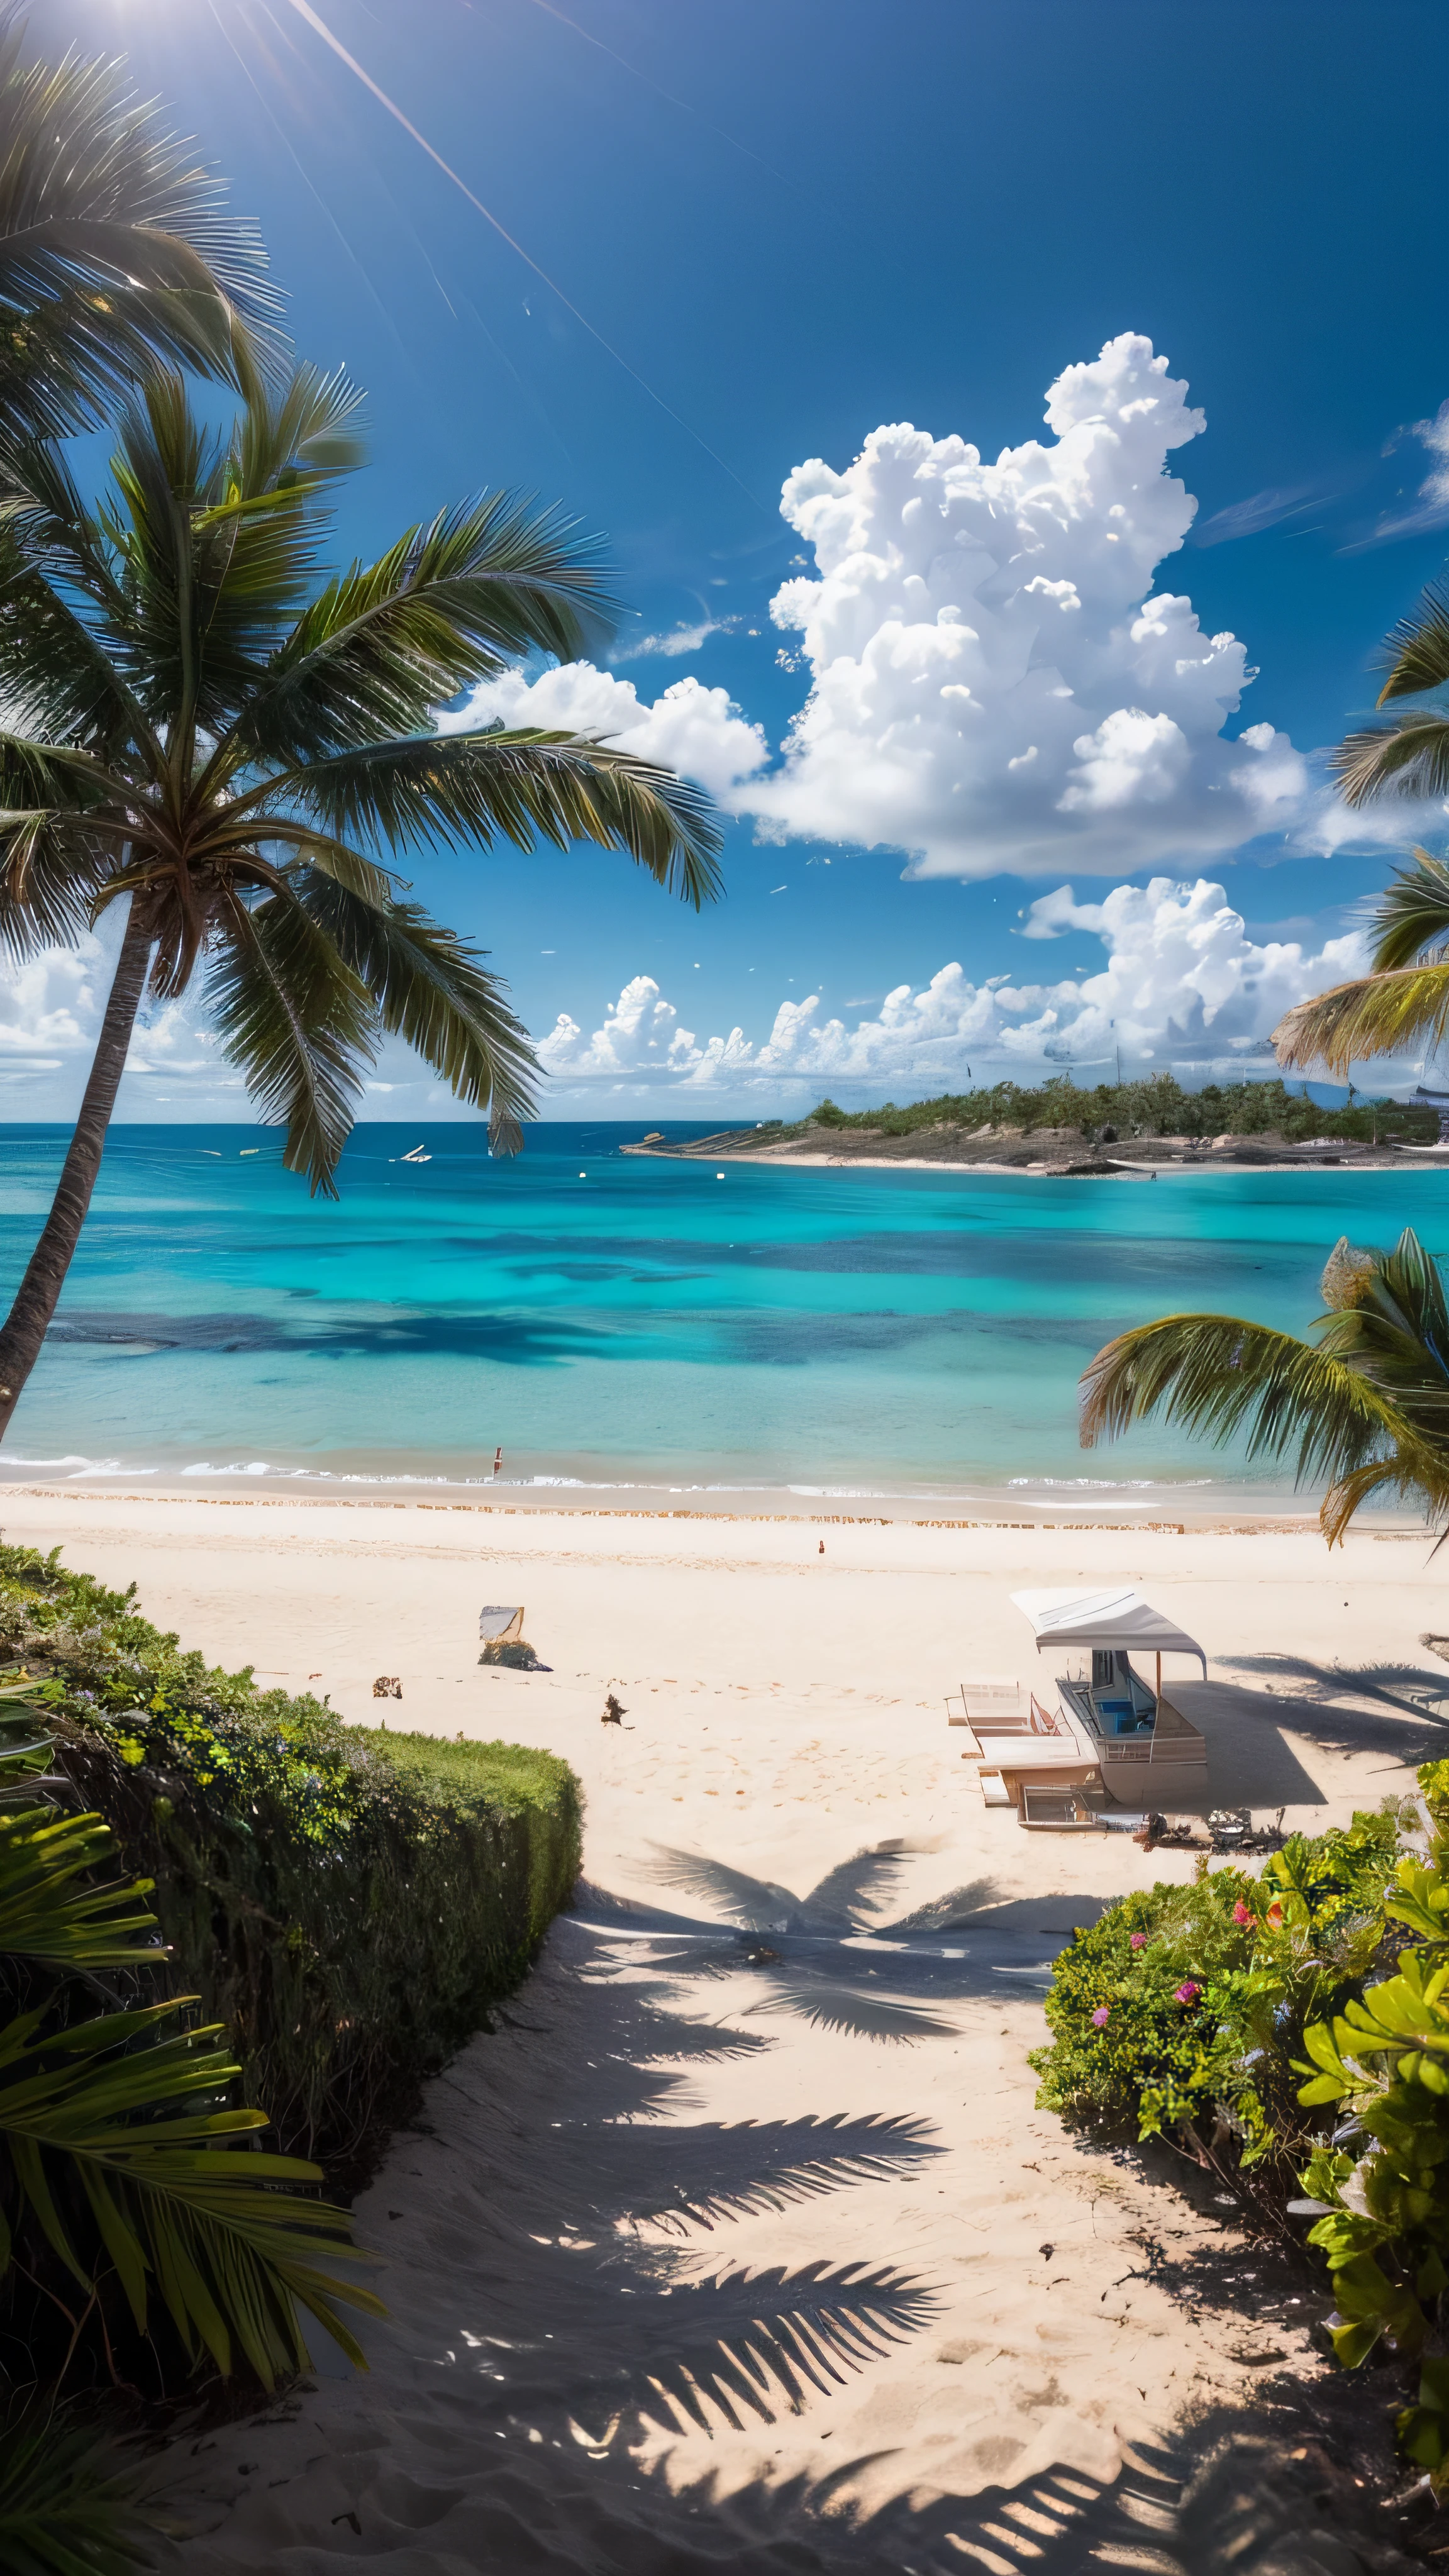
[[807, 1954], [723, 2170], [826, 2005], [756, 2344], [849, 1898]]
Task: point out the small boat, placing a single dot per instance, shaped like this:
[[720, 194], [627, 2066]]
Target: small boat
[[419, 1154], [249, 1149]]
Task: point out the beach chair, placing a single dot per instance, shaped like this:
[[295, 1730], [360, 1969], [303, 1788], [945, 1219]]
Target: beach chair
[[989, 1696]]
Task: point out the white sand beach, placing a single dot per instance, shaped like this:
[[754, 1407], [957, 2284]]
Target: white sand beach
[[673, 2265]]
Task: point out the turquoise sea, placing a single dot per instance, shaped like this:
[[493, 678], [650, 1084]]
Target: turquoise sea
[[609, 1320]]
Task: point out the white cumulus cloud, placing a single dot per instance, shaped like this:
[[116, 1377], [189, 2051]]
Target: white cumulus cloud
[[50, 1006], [690, 728], [1184, 984], [995, 682]]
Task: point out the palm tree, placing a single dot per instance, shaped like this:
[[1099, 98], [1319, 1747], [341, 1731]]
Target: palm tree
[[1366, 1405], [192, 732], [1404, 1001], [114, 251]]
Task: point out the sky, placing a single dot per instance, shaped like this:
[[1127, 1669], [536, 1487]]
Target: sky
[[1013, 428]]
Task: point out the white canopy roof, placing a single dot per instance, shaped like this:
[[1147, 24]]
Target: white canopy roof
[[1105, 1619]]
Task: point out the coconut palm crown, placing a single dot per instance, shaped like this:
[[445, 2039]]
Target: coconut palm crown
[[115, 250], [200, 728], [1365, 1406]]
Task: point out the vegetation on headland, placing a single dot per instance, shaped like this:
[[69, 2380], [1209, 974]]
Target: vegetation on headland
[[1290, 2034], [342, 1904], [1154, 1105], [1365, 1406]]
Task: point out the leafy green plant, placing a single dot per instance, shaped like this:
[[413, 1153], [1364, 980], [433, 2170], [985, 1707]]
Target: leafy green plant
[[70, 2503], [349, 1901], [1379, 2188], [1175, 2016], [118, 2142]]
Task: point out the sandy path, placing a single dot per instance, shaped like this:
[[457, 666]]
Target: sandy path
[[683, 2255]]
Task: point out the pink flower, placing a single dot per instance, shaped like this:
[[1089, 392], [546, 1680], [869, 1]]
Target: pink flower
[[1187, 1992], [1101, 2017], [1243, 1913], [1138, 1941]]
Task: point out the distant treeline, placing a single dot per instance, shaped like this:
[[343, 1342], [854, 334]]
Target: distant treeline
[[1155, 1107]]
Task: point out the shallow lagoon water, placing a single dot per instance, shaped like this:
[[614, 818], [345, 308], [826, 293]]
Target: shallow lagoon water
[[612, 1319]]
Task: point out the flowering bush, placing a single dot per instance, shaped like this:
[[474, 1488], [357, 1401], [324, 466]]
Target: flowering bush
[[1180, 2013]]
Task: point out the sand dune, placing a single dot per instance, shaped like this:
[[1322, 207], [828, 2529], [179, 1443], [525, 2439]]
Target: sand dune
[[740, 2244]]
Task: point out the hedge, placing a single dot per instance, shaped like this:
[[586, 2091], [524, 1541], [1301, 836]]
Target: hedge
[[349, 1900]]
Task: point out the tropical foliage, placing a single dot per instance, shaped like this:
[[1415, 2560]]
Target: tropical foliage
[[121, 2149], [1408, 754], [349, 1901], [1365, 1406], [114, 249], [1179, 2013], [71, 2504], [1404, 1003], [1296, 2025]]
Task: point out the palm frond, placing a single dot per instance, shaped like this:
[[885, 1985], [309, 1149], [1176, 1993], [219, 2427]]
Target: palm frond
[[219, 544], [1408, 756], [1411, 1475], [231, 2248], [430, 989], [51, 871], [1417, 649], [114, 249], [1376, 1015], [522, 787], [51, 1910], [298, 1023], [1219, 1376], [449, 604], [1412, 914], [304, 428], [70, 2503]]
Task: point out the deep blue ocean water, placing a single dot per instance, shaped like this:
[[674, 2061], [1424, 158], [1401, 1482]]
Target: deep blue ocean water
[[628, 1321]]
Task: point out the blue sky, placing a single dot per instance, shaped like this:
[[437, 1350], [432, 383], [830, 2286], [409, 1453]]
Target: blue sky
[[797, 222]]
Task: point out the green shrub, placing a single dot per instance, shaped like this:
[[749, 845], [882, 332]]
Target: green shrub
[[1179, 2013], [1379, 2187], [349, 1901]]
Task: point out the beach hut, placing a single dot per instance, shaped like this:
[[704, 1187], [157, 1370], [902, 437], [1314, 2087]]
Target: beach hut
[[1148, 1752]]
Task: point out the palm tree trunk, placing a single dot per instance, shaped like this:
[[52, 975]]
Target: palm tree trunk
[[26, 1325]]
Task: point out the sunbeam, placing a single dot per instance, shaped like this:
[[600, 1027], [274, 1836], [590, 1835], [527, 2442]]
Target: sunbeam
[[320, 28]]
